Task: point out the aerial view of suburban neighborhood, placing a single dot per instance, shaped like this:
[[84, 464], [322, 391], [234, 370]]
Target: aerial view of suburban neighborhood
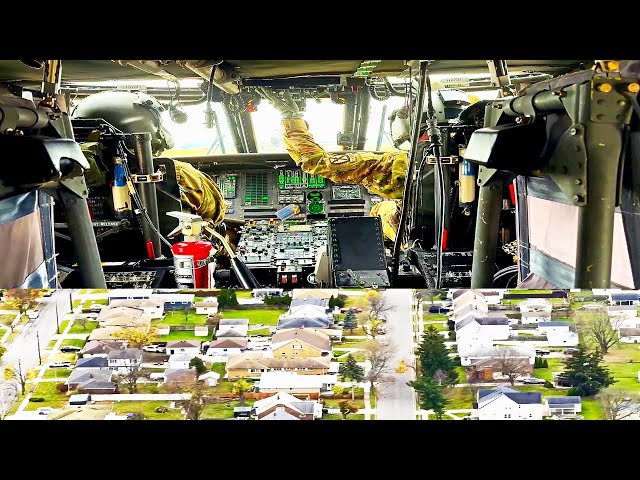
[[319, 354]]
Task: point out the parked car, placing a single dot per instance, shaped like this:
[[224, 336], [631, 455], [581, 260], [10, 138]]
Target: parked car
[[60, 365], [91, 316], [541, 351], [569, 351], [33, 315], [533, 381], [437, 309], [346, 309], [96, 307], [44, 410], [70, 349], [154, 349]]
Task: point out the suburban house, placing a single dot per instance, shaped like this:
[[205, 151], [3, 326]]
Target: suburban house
[[94, 378], [264, 292], [254, 364], [201, 331], [559, 334], [623, 321], [623, 310], [100, 348], [496, 328], [106, 333], [306, 312], [515, 351], [490, 369], [465, 298], [324, 294], [300, 342], [183, 346], [153, 308], [92, 362], [179, 376], [627, 298], [535, 310], [284, 406], [180, 361], [175, 301], [233, 327], [503, 403], [295, 384], [556, 327], [562, 406], [226, 347], [472, 342], [123, 360], [630, 335], [207, 307], [124, 317], [210, 379]]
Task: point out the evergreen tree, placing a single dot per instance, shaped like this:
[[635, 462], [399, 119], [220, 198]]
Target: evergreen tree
[[332, 302], [350, 321], [430, 395], [350, 370], [584, 373], [434, 357], [545, 364]]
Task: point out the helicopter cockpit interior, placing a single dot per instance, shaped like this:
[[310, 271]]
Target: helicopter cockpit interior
[[485, 147]]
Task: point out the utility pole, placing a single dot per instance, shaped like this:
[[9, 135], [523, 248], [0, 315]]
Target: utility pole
[[57, 320], [39, 355], [70, 301]]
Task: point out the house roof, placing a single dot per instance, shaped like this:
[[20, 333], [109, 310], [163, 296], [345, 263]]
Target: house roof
[[110, 312], [137, 303], [184, 344], [564, 400], [180, 357], [230, 332], [92, 362], [553, 324], [325, 293], [280, 397], [97, 385], [102, 346], [125, 353], [496, 362], [233, 321], [462, 291], [204, 376], [179, 374], [522, 398], [299, 302], [86, 374], [309, 336], [515, 350], [492, 320], [258, 361], [289, 322], [206, 304], [275, 380], [624, 296], [229, 343], [630, 332], [284, 415]]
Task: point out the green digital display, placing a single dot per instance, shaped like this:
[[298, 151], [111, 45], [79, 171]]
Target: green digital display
[[227, 185], [295, 178]]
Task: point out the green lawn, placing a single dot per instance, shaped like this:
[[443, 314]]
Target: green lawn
[[219, 368], [441, 327], [63, 325], [255, 316], [182, 335], [146, 387], [178, 318], [334, 403], [626, 375], [56, 373], [434, 317], [261, 331], [244, 294], [148, 409], [359, 356], [52, 398], [76, 303], [339, 353], [62, 357], [462, 374], [221, 411], [591, 410], [73, 342], [51, 344], [337, 416], [88, 327], [224, 386], [555, 365], [351, 344]]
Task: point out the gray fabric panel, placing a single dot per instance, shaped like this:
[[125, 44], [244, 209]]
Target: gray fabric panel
[[37, 278], [18, 206], [46, 217], [556, 272]]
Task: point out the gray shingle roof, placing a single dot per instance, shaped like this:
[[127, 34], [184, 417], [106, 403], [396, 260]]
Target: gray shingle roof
[[126, 353], [304, 323], [616, 297], [564, 400], [183, 344], [296, 302], [97, 385], [92, 362], [553, 324], [492, 320], [521, 398], [234, 321]]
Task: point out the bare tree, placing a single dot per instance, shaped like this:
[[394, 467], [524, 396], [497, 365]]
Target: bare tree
[[198, 399], [129, 375], [19, 374], [618, 404], [512, 366], [81, 321], [600, 328], [380, 355]]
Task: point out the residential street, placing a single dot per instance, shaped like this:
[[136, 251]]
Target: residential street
[[396, 401], [25, 345]]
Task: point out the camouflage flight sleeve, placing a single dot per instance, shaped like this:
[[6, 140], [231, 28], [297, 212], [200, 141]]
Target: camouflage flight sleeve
[[382, 174], [199, 193]]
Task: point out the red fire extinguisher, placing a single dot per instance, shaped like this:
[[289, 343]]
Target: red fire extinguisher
[[192, 257]]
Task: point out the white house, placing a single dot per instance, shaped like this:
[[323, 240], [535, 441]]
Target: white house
[[291, 382], [535, 310], [239, 327], [496, 328], [210, 379], [123, 360], [129, 294], [153, 308], [175, 301], [562, 406], [207, 308], [180, 360], [226, 347], [555, 327], [283, 406], [623, 311], [503, 403], [630, 335], [515, 351], [191, 347], [469, 300], [201, 331], [467, 312], [472, 342], [624, 298], [564, 338]]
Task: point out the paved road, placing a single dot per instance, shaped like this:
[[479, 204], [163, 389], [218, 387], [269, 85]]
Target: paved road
[[396, 401], [25, 346]]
